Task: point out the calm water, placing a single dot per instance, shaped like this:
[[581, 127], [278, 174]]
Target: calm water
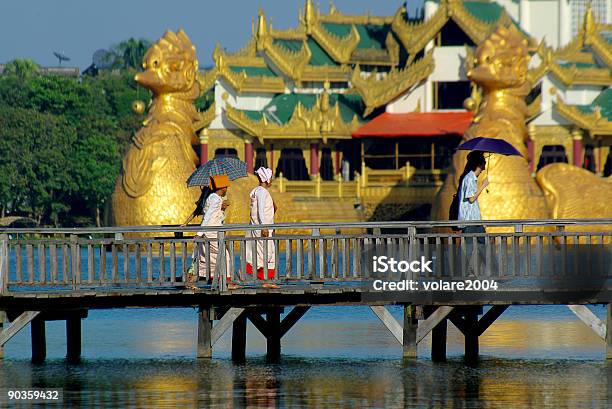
[[334, 357]]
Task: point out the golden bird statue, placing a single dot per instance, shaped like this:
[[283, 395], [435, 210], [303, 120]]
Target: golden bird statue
[[152, 188], [500, 69]]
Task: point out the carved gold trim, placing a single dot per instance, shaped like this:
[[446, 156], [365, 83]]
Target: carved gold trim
[[206, 79], [242, 82], [292, 63], [414, 36], [567, 75], [339, 48], [594, 122], [393, 48], [378, 92], [320, 121], [205, 118]]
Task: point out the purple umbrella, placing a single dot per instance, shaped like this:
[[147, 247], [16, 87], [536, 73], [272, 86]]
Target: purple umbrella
[[489, 145]]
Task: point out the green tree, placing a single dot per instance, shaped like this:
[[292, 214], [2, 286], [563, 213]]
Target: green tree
[[130, 53], [96, 162], [21, 68], [38, 147]]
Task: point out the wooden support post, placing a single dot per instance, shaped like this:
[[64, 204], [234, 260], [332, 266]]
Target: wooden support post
[[411, 325], [274, 335], [39, 342], [73, 339], [438, 337], [471, 334], [609, 332], [239, 335], [204, 349]]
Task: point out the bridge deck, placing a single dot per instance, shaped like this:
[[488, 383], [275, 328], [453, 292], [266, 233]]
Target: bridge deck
[[51, 273]]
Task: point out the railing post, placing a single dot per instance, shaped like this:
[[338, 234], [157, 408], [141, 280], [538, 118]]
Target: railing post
[[74, 249], [358, 184], [407, 170], [221, 262], [318, 185], [4, 270], [340, 187]]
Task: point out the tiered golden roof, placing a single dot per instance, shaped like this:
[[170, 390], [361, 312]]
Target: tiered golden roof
[[376, 92], [415, 36], [322, 120]]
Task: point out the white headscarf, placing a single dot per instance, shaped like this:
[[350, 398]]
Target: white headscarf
[[264, 174]]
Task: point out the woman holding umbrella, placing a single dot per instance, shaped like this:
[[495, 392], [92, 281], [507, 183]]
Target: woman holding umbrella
[[214, 215], [469, 191]]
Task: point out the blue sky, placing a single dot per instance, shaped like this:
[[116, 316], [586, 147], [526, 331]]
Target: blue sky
[[36, 28]]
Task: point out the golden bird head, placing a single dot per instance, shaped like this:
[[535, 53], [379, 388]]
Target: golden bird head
[[501, 60], [170, 65]]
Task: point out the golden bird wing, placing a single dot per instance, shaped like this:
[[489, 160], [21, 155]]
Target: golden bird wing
[[574, 192]]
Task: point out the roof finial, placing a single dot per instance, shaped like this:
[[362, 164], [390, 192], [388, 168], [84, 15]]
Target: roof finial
[[332, 7], [262, 27], [589, 21], [309, 14]]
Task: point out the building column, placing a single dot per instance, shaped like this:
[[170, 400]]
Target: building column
[[314, 159], [203, 146], [248, 154], [577, 147]]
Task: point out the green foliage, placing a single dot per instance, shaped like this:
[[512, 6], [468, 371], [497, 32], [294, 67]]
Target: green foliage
[[61, 142], [37, 148], [130, 53], [21, 68]]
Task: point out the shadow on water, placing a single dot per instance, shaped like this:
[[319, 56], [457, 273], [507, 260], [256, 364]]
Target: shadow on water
[[302, 382]]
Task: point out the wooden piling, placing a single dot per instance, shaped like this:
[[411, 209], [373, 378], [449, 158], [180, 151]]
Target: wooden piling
[[471, 334], [73, 339], [239, 328], [411, 325], [204, 348], [2, 320], [273, 337], [438, 338], [609, 332], [39, 342]]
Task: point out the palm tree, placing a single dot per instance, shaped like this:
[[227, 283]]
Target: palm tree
[[130, 53]]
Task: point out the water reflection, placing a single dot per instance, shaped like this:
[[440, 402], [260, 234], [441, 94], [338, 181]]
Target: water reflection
[[337, 356], [319, 383]]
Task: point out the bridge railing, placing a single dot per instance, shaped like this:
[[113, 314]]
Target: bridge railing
[[161, 256]]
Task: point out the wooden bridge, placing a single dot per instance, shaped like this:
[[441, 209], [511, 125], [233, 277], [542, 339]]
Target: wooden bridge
[[59, 274]]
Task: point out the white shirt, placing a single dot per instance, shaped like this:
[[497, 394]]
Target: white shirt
[[262, 206], [213, 215], [469, 188]]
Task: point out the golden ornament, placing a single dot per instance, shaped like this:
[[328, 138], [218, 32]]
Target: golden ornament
[[138, 107]]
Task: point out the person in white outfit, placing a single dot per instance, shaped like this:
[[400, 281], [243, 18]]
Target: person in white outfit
[[262, 212], [214, 215]]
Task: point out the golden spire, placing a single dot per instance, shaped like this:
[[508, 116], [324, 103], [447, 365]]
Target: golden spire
[[262, 28], [309, 15], [218, 55], [589, 22], [332, 8]]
